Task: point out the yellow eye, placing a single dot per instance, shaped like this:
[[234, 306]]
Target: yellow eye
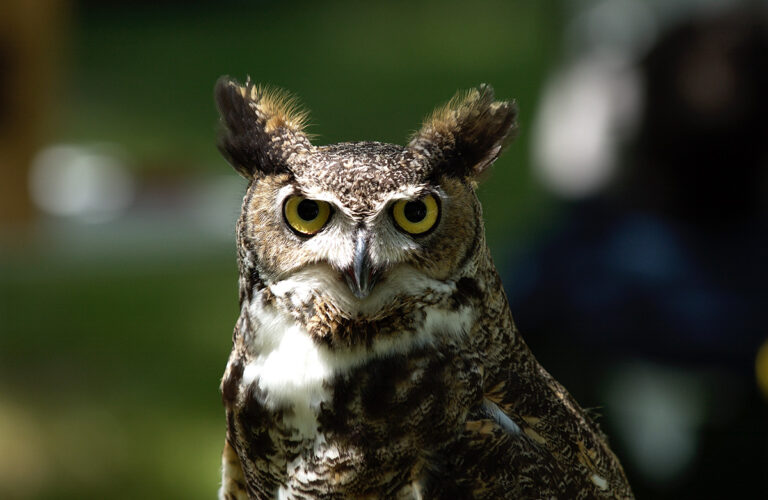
[[416, 216], [306, 216]]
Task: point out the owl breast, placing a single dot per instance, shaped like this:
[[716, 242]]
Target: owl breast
[[354, 420]]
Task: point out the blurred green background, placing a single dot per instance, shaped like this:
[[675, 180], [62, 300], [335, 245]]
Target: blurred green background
[[114, 330]]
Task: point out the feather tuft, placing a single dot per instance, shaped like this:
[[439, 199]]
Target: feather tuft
[[468, 133]]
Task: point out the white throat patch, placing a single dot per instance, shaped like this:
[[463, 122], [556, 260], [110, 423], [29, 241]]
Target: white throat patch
[[292, 369]]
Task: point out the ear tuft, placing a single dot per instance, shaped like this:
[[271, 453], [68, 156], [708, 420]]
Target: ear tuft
[[262, 126], [466, 135], [281, 109]]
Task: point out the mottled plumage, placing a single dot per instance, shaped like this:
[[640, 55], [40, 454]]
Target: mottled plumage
[[376, 356]]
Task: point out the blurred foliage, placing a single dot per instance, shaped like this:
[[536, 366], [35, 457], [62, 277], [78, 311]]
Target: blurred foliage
[[110, 367], [110, 377]]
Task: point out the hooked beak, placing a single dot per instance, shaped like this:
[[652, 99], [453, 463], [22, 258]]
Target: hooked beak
[[361, 276]]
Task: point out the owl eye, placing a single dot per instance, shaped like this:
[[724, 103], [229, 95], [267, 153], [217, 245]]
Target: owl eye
[[306, 216], [416, 216]]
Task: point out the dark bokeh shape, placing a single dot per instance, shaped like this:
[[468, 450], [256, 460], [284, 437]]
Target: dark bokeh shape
[[670, 266]]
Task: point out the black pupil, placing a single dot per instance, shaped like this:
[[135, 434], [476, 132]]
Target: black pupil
[[415, 211], [308, 210]]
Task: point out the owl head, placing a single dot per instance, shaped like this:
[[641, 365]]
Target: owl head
[[362, 224]]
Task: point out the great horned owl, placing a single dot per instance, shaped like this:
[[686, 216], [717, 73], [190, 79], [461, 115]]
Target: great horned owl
[[375, 355]]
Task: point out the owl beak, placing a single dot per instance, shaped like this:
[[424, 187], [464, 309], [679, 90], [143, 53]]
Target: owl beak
[[361, 276]]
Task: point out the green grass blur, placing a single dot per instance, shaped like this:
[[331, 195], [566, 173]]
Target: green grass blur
[[109, 364]]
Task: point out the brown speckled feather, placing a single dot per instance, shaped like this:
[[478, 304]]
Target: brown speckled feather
[[416, 383]]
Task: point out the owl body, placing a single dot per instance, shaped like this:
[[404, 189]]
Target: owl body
[[375, 355]]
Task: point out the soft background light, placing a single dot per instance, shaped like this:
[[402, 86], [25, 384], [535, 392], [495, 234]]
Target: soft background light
[[117, 260]]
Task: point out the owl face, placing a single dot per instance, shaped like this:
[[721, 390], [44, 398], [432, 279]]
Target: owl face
[[363, 224], [359, 232]]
